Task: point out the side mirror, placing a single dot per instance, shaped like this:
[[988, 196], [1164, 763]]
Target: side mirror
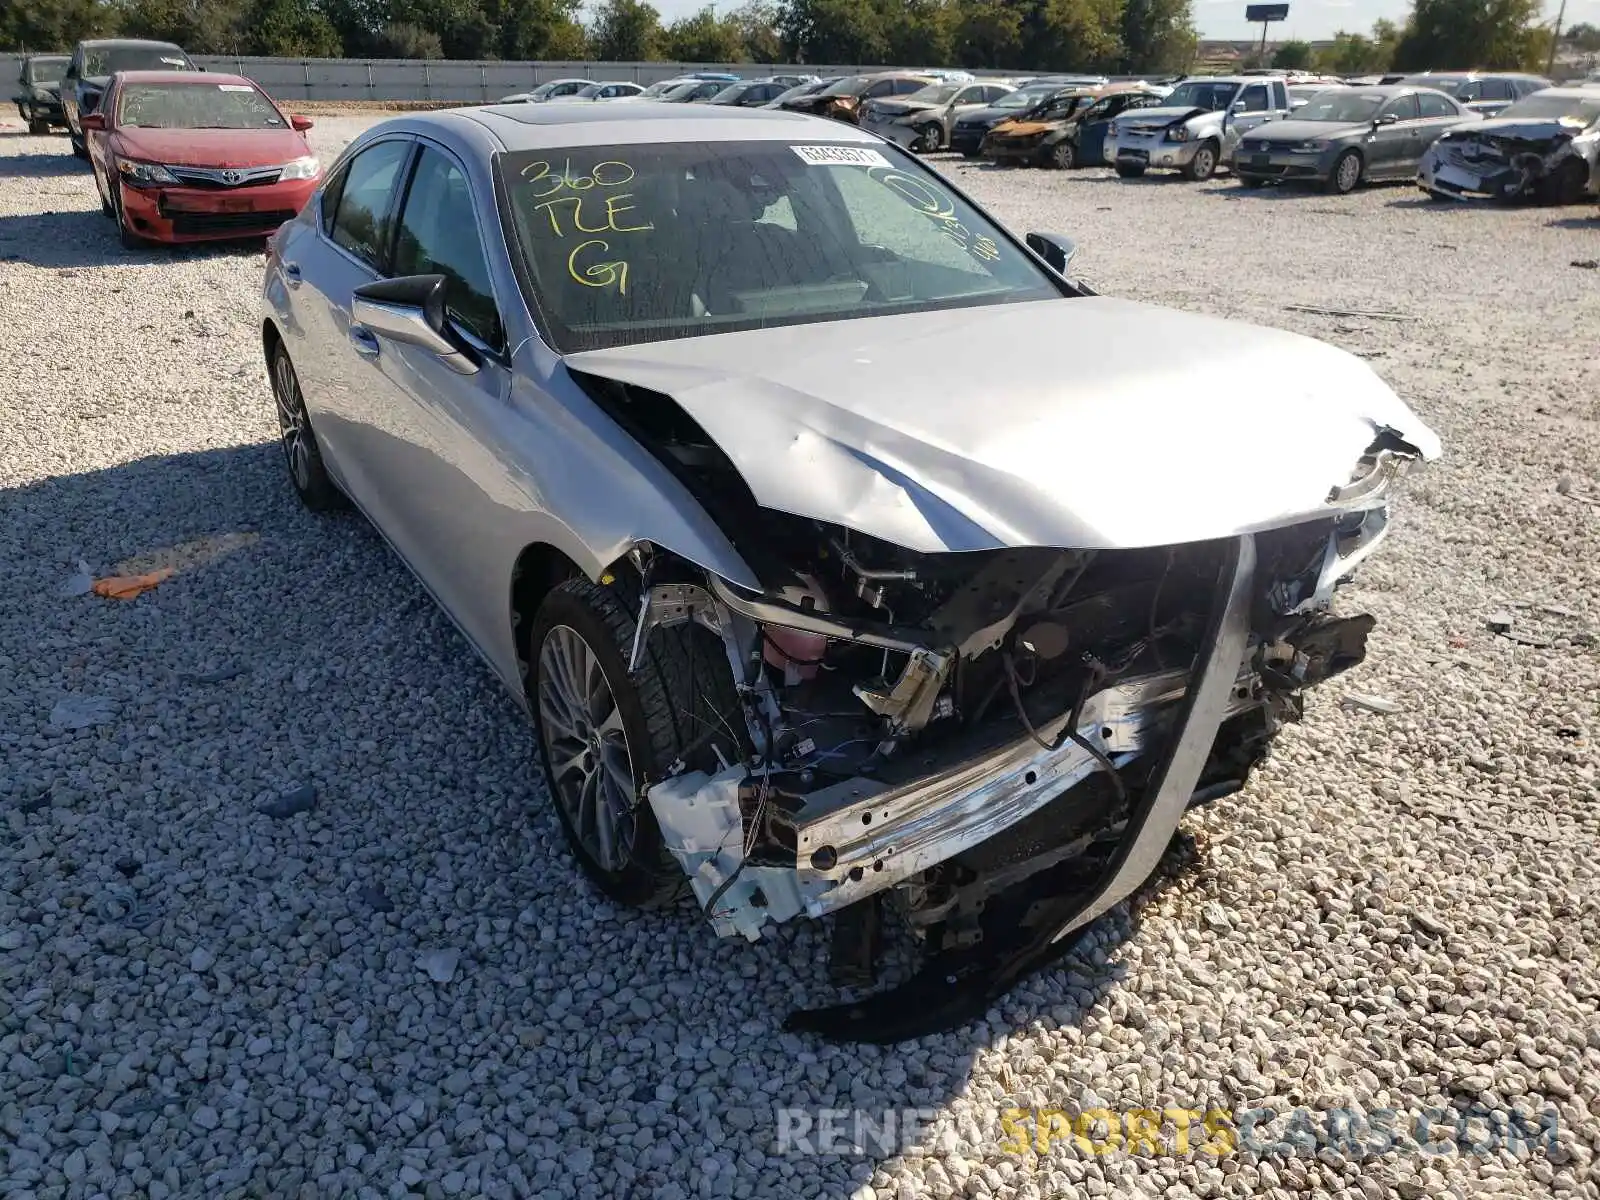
[[300, 124], [410, 309], [1236, 107], [1055, 248], [1384, 119], [88, 121]]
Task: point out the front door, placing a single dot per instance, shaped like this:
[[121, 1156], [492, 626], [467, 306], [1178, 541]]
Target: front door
[[1394, 144]]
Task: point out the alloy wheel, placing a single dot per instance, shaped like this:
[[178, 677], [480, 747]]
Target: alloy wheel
[[591, 770], [1349, 173], [293, 428]]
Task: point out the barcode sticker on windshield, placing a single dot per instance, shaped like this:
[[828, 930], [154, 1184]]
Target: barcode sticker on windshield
[[839, 156], [234, 87]]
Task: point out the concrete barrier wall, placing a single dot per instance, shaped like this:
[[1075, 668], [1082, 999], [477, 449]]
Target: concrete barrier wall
[[455, 81]]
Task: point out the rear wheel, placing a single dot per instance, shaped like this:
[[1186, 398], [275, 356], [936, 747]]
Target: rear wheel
[[1346, 173], [606, 734], [310, 477], [1204, 163], [38, 128], [1129, 170], [1063, 155]]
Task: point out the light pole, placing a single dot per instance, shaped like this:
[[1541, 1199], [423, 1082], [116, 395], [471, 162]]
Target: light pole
[[1555, 38]]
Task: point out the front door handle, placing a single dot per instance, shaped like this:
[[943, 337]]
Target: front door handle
[[364, 340]]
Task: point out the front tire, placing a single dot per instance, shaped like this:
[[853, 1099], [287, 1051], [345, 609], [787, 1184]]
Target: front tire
[[125, 234], [301, 454], [38, 128], [607, 734], [1346, 173], [1129, 170], [929, 139], [80, 148], [1567, 185], [1250, 181], [1204, 163], [1063, 155]]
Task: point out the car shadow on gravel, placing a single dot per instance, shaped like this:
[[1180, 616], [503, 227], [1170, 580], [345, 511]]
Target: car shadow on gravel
[[45, 166], [85, 238]]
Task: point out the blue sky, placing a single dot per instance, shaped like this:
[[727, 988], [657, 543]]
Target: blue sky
[[1225, 18]]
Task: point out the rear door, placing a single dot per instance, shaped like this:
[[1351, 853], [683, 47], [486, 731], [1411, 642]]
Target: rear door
[[348, 244]]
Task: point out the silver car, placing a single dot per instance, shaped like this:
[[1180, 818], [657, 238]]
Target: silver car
[[811, 613]]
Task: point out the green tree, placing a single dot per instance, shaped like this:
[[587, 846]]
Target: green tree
[[1073, 35], [199, 26], [463, 28], [1157, 36], [919, 33], [1293, 56], [404, 40], [702, 38], [290, 29], [1584, 36], [986, 34], [757, 23], [56, 25], [626, 31], [1494, 34], [835, 31]]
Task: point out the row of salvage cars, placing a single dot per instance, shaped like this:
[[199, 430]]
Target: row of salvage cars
[[1443, 131]]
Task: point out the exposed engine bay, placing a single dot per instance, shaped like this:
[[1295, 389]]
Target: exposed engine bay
[[961, 733]]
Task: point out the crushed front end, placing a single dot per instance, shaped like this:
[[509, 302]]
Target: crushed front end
[[1000, 744]]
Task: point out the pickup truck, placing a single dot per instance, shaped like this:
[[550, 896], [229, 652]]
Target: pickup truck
[[1197, 127]]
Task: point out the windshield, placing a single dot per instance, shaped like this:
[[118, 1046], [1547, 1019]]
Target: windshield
[[1199, 94], [936, 93], [1345, 107], [1448, 84], [682, 92], [1545, 107], [196, 106], [46, 70], [1025, 97], [111, 59], [799, 90], [628, 244], [590, 92], [848, 86]]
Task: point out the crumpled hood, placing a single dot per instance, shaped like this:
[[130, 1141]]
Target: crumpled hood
[[214, 147], [1166, 426], [1160, 116], [899, 108], [1518, 129], [1022, 128]]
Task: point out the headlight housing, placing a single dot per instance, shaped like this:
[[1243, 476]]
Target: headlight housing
[[1178, 133], [301, 168], [144, 174], [1308, 147]]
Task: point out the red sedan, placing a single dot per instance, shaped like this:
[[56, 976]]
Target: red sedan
[[181, 156]]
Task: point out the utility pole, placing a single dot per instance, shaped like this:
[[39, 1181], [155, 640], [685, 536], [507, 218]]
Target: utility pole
[[1555, 38]]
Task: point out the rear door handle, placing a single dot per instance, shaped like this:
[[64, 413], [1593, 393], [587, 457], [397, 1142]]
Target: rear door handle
[[364, 340], [291, 274]]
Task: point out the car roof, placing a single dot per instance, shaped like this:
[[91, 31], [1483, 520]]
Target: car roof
[[192, 78], [1473, 75], [103, 43], [534, 127]]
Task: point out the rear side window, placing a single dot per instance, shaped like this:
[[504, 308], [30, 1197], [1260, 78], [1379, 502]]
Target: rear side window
[[361, 220], [438, 235], [1435, 106]]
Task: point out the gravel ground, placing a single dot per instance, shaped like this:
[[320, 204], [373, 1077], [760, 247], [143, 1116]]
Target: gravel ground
[[200, 999]]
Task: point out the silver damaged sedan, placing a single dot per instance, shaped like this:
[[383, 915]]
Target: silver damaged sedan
[[739, 445]]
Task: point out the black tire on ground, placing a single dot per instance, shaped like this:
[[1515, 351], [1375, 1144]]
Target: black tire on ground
[[1436, 196], [1204, 163], [1063, 155], [38, 128], [682, 690], [79, 150], [972, 154], [125, 234], [1129, 170], [1567, 185], [1250, 181], [929, 138], [301, 455], [1346, 173]]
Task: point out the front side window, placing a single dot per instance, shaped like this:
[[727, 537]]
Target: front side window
[[438, 235], [1432, 105], [1196, 94], [1402, 109], [361, 221], [196, 106], [627, 244], [1254, 99]]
